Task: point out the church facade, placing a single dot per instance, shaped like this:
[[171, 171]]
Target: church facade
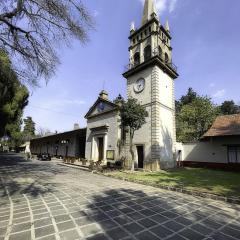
[[103, 130], [150, 77]]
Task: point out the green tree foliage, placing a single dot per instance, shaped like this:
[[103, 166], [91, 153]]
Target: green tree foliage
[[186, 99], [29, 129], [13, 99], [13, 129], [229, 107], [194, 117], [33, 31], [189, 97], [133, 117]]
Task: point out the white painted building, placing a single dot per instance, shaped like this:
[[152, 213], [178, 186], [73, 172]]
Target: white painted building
[[150, 79], [103, 130], [219, 146]]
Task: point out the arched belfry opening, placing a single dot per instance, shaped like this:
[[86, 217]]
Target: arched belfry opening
[[166, 58], [160, 52], [136, 58], [147, 52]]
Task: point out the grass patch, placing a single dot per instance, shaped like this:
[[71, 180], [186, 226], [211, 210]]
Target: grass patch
[[195, 179]]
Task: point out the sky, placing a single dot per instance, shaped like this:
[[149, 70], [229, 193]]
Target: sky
[[206, 49]]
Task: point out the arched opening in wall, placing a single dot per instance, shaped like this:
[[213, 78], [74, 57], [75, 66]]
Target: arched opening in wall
[[160, 52], [147, 52], [166, 58], [136, 58]]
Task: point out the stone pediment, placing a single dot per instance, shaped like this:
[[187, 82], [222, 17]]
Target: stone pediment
[[100, 107]]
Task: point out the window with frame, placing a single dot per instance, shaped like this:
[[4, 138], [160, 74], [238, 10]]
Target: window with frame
[[234, 154]]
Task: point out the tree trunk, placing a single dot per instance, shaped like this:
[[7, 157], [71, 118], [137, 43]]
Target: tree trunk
[[131, 150]]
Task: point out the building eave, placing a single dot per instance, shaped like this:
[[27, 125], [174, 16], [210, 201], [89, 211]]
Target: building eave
[[102, 113], [95, 104], [218, 136], [81, 130], [103, 127]]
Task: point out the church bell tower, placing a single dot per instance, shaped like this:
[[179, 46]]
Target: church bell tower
[[150, 78]]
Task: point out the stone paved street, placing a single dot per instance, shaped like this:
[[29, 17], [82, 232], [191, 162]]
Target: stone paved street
[[42, 200]]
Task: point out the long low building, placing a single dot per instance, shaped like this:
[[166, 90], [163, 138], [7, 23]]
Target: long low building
[[219, 146], [67, 144]]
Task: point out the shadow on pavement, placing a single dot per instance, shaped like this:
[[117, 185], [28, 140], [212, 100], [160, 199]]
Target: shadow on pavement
[[135, 214], [22, 176]]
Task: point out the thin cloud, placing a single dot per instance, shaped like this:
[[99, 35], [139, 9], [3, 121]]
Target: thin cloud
[[74, 102], [96, 13], [164, 5], [211, 85], [172, 5], [61, 104], [219, 93]]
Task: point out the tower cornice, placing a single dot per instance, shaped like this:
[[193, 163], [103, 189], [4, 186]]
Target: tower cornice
[[156, 60], [165, 31], [137, 31], [144, 39]]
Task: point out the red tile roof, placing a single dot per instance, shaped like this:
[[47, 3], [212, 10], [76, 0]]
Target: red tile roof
[[228, 125]]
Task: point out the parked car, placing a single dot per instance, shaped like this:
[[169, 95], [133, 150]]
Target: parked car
[[44, 157]]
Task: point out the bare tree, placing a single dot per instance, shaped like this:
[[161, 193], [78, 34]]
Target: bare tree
[[43, 132], [31, 31]]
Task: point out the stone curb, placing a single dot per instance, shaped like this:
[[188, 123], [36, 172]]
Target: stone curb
[[181, 190], [75, 166]]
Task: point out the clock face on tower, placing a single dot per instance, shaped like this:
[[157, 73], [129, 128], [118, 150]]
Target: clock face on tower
[[139, 85]]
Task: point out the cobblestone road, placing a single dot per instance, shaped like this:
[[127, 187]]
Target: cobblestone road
[[41, 200]]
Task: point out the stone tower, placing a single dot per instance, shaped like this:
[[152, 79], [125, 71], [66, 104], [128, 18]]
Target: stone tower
[[150, 78]]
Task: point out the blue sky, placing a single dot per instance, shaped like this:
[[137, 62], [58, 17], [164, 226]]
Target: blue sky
[[206, 49]]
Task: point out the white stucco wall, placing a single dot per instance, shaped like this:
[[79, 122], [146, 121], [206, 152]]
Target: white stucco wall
[[205, 152], [165, 89], [144, 97], [158, 97], [166, 137], [110, 119], [212, 151], [143, 137]]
